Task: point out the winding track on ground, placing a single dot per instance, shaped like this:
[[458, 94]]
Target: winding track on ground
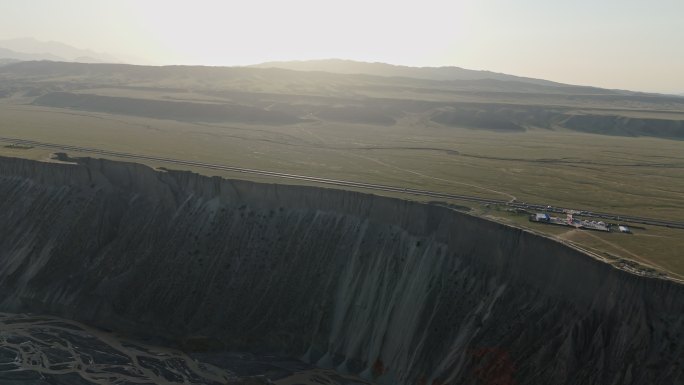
[[345, 183]]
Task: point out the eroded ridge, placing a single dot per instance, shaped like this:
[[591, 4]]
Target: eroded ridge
[[395, 292]]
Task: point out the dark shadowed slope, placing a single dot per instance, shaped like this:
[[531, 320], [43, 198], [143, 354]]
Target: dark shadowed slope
[[161, 109], [399, 292]]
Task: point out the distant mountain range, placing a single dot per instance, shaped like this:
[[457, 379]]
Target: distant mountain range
[[24, 49], [382, 69], [30, 49], [315, 82]]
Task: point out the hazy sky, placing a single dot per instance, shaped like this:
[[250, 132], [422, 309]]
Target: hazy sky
[[629, 44]]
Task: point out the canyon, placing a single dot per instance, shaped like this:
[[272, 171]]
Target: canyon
[[390, 290]]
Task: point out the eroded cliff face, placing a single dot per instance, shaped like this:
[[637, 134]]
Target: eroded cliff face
[[397, 291]]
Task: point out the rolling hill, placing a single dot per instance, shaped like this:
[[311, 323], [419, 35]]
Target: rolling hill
[[283, 96], [382, 69]]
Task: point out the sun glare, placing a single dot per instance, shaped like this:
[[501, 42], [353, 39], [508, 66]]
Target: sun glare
[[220, 33]]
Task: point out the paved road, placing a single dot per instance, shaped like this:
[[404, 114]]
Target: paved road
[[346, 183]]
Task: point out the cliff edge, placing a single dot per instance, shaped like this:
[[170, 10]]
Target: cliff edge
[[396, 291]]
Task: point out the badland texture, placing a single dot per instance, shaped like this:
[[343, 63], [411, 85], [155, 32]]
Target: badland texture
[[396, 291]]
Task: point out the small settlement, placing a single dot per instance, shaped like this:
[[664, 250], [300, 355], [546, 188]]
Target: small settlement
[[571, 221]]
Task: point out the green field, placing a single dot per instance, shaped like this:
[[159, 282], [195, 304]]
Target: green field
[[555, 165]]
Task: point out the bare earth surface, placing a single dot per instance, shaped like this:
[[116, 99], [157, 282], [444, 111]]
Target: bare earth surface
[[37, 350]]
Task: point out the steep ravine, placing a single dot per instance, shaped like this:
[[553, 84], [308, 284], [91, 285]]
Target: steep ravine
[[397, 291]]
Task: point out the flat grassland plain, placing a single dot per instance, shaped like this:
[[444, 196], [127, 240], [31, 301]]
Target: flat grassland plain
[[571, 147]]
